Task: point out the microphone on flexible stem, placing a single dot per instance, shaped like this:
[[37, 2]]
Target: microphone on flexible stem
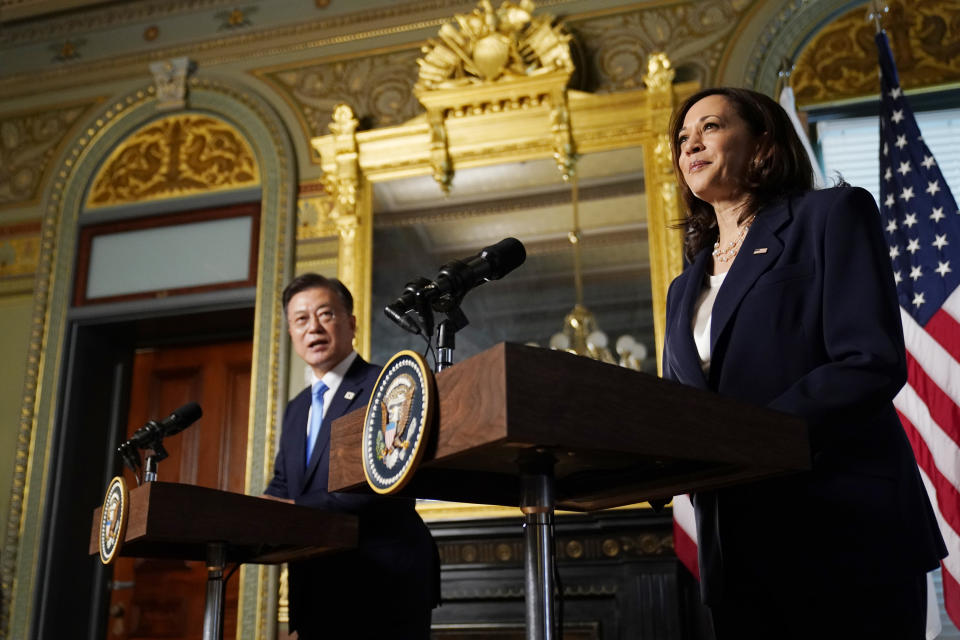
[[411, 300], [151, 435], [176, 422], [453, 282]]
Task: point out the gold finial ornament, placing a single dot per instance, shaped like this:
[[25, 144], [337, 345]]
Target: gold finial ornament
[[492, 61], [488, 45], [660, 73], [344, 184]]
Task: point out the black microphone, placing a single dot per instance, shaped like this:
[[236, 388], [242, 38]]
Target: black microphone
[[410, 300], [455, 279], [458, 277], [153, 431]]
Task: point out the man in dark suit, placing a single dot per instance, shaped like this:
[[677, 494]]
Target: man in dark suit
[[390, 583]]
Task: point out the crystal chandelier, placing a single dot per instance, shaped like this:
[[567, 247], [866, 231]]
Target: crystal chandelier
[[581, 334]]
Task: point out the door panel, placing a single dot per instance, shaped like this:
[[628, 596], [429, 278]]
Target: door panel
[[164, 599]]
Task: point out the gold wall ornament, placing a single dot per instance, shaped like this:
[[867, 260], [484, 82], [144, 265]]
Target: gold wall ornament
[[343, 183], [352, 216], [19, 256], [666, 243], [175, 156], [315, 207], [489, 45], [170, 82], [840, 63], [660, 73], [494, 61]]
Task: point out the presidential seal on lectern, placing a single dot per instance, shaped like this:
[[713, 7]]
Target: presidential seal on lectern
[[398, 423], [113, 519]]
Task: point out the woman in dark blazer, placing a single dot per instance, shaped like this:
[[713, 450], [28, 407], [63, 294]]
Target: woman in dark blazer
[[788, 302]]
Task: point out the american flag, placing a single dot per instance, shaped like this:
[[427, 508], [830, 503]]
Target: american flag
[[922, 226]]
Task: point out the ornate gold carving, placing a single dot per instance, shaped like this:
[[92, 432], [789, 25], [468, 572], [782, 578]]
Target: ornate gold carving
[[344, 183], [840, 63], [496, 61], [28, 144], [666, 244], [660, 74], [315, 209], [610, 547], [176, 156], [489, 45], [352, 215], [19, 249], [574, 549]]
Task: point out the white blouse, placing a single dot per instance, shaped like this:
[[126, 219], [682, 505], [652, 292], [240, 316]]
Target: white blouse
[[703, 312]]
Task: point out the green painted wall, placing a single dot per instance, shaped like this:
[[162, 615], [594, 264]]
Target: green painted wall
[[14, 339]]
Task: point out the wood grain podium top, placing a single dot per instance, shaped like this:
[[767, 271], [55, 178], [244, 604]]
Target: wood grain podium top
[[617, 436], [170, 520]]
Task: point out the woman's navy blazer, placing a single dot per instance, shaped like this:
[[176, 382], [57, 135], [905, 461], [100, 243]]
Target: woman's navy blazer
[[807, 322]]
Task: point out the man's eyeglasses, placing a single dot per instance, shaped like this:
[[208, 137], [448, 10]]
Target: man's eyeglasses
[[324, 316]]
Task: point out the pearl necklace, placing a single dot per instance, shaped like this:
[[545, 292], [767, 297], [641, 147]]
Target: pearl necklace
[[733, 248]]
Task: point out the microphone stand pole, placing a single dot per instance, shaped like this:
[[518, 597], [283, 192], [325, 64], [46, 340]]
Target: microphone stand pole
[[446, 337]]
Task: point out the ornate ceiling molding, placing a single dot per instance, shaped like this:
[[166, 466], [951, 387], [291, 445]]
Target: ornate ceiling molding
[[777, 31], [614, 45], [28, 144]]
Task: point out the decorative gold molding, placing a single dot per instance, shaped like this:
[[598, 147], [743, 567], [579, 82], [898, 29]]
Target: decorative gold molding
[[19, 250], [315, 208], [663, 203], [495, 61], [572, 549], [840, 63], [629, 119], [176, 156], [352, 215]]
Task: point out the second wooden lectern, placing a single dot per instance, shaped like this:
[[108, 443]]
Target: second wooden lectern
[[170, 520], [541, 429]]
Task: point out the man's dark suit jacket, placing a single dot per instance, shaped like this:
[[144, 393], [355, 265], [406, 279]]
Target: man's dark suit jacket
[[807, 322], [396, 552]]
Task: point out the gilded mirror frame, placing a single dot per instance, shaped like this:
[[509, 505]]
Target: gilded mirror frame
[[504, 122]]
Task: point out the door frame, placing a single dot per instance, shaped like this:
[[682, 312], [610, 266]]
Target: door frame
[[46, 427]]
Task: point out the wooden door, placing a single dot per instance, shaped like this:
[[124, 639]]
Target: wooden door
[[164, 599]]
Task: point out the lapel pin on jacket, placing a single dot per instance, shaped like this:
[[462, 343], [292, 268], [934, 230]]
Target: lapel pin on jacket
[[757, 252], [349, 395]]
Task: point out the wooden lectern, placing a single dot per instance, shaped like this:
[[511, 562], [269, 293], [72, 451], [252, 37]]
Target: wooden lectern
[[170, 520], [539, 429]]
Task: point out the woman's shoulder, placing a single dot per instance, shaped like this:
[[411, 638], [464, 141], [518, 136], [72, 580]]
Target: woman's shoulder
[[834, 196]]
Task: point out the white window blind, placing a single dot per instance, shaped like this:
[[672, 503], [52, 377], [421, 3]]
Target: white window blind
[[851, 146]]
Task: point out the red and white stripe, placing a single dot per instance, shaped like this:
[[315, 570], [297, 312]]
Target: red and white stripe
[[685, 533], [929, 408]]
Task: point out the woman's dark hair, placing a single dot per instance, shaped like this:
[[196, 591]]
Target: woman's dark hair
[[316, 281], [780, 167]]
